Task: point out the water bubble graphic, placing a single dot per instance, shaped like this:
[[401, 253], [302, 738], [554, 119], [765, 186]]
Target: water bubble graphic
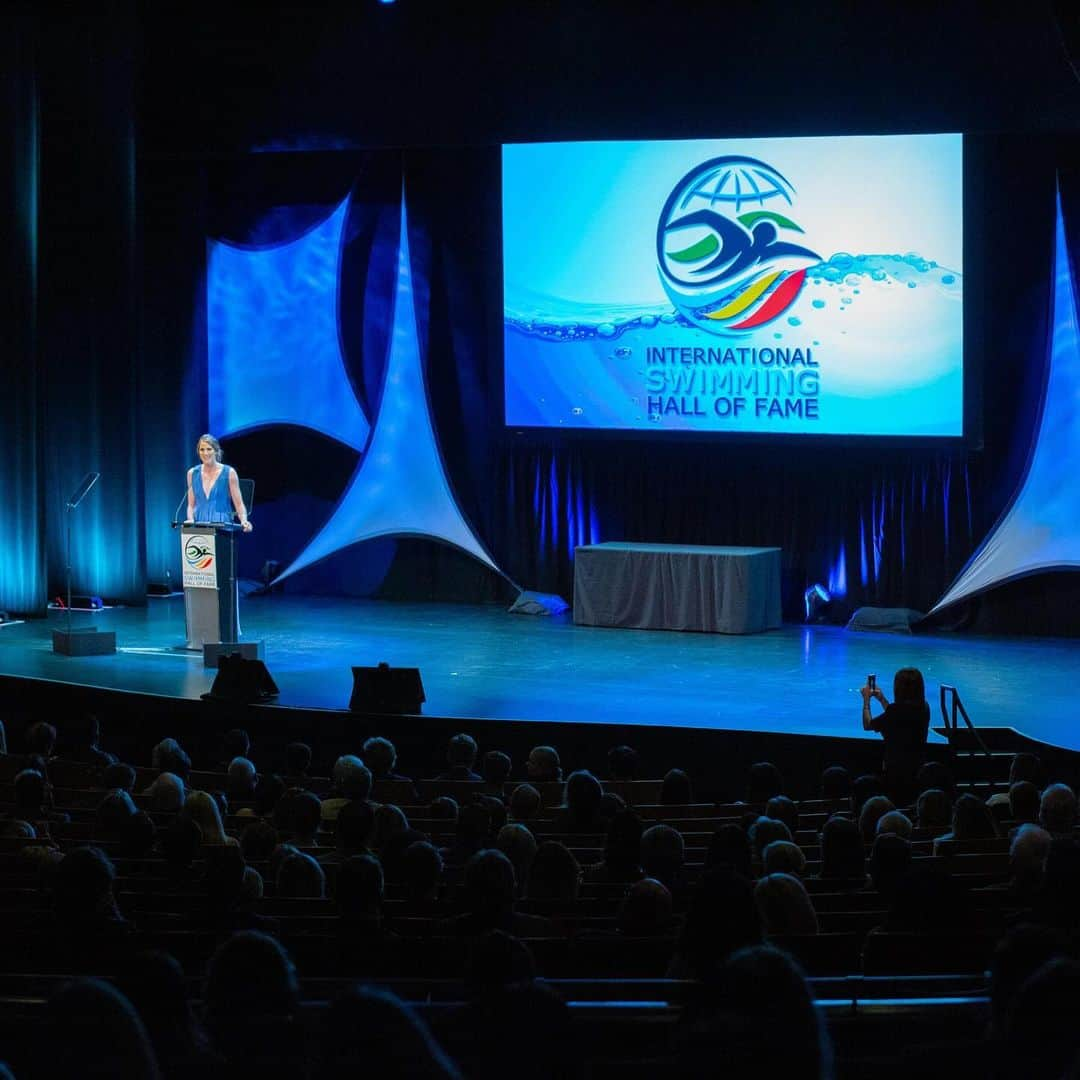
[[577, 410], [648, 320], [606, 330], [845, 299], [851, 279], [817, 303], [947, 279], [667, 317], [911, 284], [623, 350], [830, 273], [794, 320], [778, 336], [842, 260]]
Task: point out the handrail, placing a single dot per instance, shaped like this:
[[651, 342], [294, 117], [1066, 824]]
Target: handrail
[[958, 707]]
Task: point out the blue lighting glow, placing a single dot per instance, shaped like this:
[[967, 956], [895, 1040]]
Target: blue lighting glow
[[400, 487], [1041, 528], [273, 350]]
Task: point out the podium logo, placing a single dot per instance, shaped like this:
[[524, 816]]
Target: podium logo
[[197, 554], [725, 245]]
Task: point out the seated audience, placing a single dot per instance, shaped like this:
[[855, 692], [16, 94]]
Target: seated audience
[[461, 753], [1058, 903], [352, 834], [890, 860], [843, 855], [496, 768], [421, 873], [473, 834], [1028, 850], [524, 803], [781, 808], [583, 795], [235, 743], [119, 777], [1057, 810], [258, 840], [895, 821], [79, 737], [380, 756], [297, 762], [721, 918], [784, 905], [389, 819], [1017, 956], [488, 897], [835, 783], [300, 875], [84, 905], [762, 1023], [40, 739], [154, 984], [783, 857], [646, 910], [1023, 802], [33, 798], [936, 774], [166, 793], [351, 780], [971, 820], [251, 1001], [203, 810], [168, 756], [519, 846], [676, 789], [113, 815], [240, 781], [181, 845], [555, 874], [443, 808], [91, 1030], [875, 808], [863, 788], [933, 809], [358, 894], [926, 900], [269, 788], [622, 763], [227, 886], [622, 851], [762, 833], [663, 853], [765, 782], [729, 847], [1024, 768], [366, 1025], [543, 766], [1040, 1025]]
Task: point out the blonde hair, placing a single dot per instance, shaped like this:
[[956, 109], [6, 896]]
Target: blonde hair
[[201, 808]]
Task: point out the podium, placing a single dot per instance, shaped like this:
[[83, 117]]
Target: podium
[[208, 555]]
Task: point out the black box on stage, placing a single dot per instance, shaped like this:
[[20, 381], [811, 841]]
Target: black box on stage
[[241, 681], [213, 651], [86, 641], [386, 689]]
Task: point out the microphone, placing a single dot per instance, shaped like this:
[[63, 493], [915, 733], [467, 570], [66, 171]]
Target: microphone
[[176, 512]]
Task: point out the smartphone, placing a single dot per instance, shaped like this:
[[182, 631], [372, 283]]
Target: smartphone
[[871, 681]]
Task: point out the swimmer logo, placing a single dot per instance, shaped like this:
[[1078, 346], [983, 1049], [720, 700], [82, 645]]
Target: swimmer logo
[[730, 272]]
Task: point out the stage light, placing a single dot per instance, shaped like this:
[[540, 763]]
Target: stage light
[[816, 599]]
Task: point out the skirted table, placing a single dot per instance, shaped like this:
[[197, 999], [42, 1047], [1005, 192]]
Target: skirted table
[[726, 590]]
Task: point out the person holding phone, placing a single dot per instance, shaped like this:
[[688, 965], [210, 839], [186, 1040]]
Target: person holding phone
[[904, 726]]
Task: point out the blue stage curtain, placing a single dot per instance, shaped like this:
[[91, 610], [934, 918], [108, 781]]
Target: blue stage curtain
[[22, 564]]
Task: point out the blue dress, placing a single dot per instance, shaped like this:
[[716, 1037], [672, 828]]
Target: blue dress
[[218, 505]]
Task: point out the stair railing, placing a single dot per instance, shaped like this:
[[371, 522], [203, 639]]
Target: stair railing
[[951, 713]]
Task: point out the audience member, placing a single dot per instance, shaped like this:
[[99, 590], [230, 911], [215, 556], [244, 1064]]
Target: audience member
[[784, 905], [297, 761], [583, 795], [781, 808], [421, 873], [166, 793], [622, 851], [1057, 810], [258, 840], [646, 910], [380, 756], [864, 787], [1024, 768], [352, 835], [168, 756], [203, 810], [843, 855], [443, 808], [936, 774], [389, 819], [495, 769], [497, 961], [79, 737], [555, 874], [524, 803], [241, 780], [473, 834], [268, 791], [351, 780], [890, 860], [971, 820], [489, 893], [622, 763], [721, 918], [1023, 802], [543, 766], [40, 739], [933, 809], [33, 798], [895, 821], [835, 783], [235, 743], [112, 816], [783, 857], [1028, 850], [762, 833], [300, 875], [904, 726], [92, 1031], [1058, 903], [461, 753], [676, 789], [729, 847], [765, 782], [663, 852], [119, 777], [519, 846], [873, 810]]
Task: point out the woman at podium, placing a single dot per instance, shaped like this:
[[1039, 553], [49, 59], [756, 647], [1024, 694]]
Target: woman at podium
[[213, 489]]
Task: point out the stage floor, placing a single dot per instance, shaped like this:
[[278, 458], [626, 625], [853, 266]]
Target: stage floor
[[480, 662]]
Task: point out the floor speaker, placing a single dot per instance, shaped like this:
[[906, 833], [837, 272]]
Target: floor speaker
[[241, 681], [386, 689]]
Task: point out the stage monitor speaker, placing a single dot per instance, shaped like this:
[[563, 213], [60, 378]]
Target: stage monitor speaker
[[385, 689], [241, 681]]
